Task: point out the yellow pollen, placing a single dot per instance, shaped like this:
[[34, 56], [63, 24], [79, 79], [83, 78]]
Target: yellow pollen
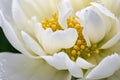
[[79, 42], [97, 51], [52, 23], [78, 53], [76, 47], [88, 54], [73, 52], [80, 49], [73, 58]]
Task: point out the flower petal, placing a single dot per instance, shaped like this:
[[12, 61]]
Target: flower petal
[[57, 60], [88, 17], [112, 24], [113, 7], [39, 8], [20, 67], [11, 35], [74, 69], [83, 63], [86, 37], [80, 4], [5, 7], [111, 42], [64, 12], [20, 19], [54, 41], [39, 31], [103, 10], [106, 15], [32, 44], [106, 67]]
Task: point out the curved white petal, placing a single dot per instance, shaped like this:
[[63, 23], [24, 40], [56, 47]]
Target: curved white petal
[[54, 41], [34, 7], [112, 7], [39, 31], [111, 42], [84, 32], [64, 12], [20, 67], [20, 19], [105, 68], [32, 44], [74, 69], [83, 63], [39, 8], [5, 7], [80, 4], [11, 35], [112, 24], [107, 13], [93, 23], [103, 10], [57, 60]]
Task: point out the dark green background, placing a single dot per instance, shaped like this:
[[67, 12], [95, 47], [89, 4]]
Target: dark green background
[[5, 46]]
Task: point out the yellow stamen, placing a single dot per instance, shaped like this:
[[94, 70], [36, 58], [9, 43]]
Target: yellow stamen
[[88, 54], [97, 51], [82, 47], [73, 52], [79, 42], [73, 58]]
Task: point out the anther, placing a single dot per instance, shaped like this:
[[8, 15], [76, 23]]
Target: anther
[[79, 42], [82, 47], [73, 52]]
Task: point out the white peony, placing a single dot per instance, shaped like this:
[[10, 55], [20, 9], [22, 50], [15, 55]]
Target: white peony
[[60, 39]]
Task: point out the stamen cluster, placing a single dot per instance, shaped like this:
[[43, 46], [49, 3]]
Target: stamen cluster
[[80, 49]]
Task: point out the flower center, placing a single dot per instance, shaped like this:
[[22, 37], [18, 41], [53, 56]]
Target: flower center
[[80, 49]]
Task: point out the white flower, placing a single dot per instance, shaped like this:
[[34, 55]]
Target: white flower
[[81, 39]]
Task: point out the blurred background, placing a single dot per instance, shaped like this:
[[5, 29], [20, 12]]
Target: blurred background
[[5, 46]]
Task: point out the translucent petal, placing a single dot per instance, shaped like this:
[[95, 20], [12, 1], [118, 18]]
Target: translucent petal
[[83, 63], [20, 67], [54, 41], [112, 7], [32, 44], [111, 42], [105, 68], [39, 31], [80, 4], [107, 15], [20, 19], [39, 8], [112, 24], [86, 37], [74, 69], [14, 40], [5, 7], [88, 17], [57, 60], [103, 10], [64, 12]]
